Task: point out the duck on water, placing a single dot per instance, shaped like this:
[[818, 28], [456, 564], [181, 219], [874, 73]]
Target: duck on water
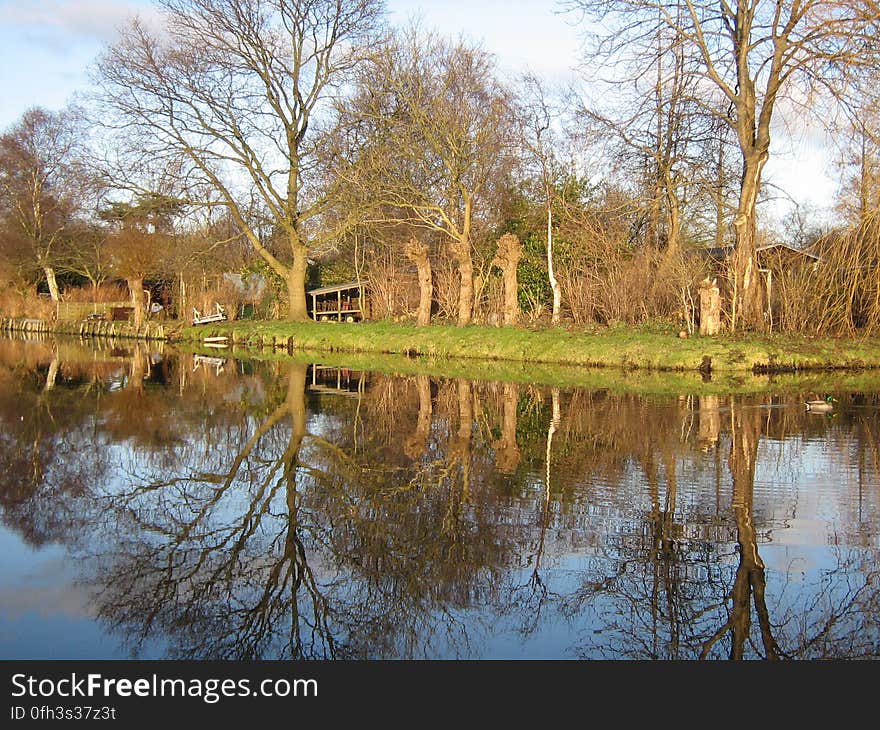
[[821, 405]]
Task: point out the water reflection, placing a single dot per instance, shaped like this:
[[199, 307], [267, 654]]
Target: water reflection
[[216, 508]]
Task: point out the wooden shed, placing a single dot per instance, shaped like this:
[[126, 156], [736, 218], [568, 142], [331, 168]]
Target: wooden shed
[[773, 259], [347, 302]]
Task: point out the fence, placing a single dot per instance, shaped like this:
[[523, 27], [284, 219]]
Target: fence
[[77, 311]]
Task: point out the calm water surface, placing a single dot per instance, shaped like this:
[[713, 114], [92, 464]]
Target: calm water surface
[[158, 504]]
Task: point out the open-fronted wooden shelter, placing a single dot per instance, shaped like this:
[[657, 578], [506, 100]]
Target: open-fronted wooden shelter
[[346, 302], [773, 259]]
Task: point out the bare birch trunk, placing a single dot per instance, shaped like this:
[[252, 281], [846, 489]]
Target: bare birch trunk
[[554, 284], [53, 284], [52, 375]]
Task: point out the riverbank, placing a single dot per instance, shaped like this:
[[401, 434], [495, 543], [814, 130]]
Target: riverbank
[[151, 330], [625, 348]]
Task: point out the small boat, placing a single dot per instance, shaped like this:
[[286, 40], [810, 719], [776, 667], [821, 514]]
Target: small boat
[[818, 405]]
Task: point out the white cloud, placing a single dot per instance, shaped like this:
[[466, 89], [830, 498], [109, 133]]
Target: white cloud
[[523, 34], [75, 20]]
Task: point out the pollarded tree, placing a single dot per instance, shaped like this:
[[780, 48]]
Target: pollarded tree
[[750, 54], [417, 252], [235, 87], [507, 258], [428, 136], [40, 184]]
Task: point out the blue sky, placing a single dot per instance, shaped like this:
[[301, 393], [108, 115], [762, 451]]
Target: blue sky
[[46, 47]]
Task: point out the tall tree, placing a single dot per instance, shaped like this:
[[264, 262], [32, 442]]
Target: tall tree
[[433, 132], [751, 53], [236, 88], [39, 176], [140, 243], [859, 163], [539, 141]]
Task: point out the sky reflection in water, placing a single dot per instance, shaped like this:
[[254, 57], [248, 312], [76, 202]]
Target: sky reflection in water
[[162, 505]]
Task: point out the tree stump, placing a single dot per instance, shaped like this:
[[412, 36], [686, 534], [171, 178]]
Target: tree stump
[[710, 307], [507, 258], [417, 252]]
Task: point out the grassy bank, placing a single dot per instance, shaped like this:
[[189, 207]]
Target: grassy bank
[[655, 349], [613, 380]]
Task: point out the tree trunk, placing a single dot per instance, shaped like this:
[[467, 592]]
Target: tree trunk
[[417, 252], [136, 291], [554, 284], [52, 375], [416, 444], [461, 444], [297, 311], [296, 404], [673, 223], [750, 581], [507, 259], [709, 427], [461, 250], [507, 453], [138, 370], [710, 308], [53, 283], [720, 184], [181, 304], [746, 308]]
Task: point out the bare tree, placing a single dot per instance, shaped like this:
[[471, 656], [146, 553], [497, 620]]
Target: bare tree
[[433, 132], [236, 88], [87, 255], [38, 174], [538, 141], [859, 161], [140, 244], [750, 53]]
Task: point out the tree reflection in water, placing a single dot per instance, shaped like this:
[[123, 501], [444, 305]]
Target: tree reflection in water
[[237, 513]]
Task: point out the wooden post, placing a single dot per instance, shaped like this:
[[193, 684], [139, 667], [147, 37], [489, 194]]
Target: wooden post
[[710, 307]]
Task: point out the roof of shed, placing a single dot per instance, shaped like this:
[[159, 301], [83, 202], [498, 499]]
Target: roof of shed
[[338, 287]]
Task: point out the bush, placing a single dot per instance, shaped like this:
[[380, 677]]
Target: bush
[[103, 293], [15, 305]]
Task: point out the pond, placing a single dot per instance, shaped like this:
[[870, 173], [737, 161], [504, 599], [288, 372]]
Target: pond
[[160, 504]]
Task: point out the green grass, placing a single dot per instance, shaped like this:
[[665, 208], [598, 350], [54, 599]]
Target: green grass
[[647, 348], [614, 380]]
